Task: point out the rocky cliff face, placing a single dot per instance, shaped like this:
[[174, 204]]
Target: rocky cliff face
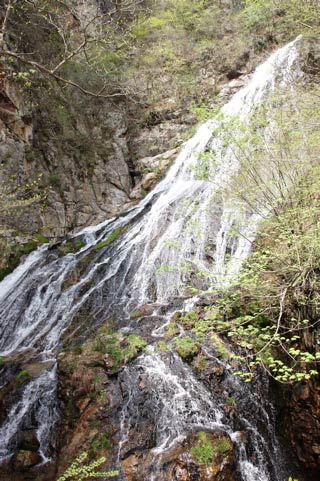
[[88, 154]]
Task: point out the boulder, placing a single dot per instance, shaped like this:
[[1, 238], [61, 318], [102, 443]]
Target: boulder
[[24, 459]]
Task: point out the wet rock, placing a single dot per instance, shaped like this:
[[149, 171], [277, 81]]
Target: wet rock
[[28, 441], [131, 466], [302, 422], [160, 161], [34, 369], [24, 459]]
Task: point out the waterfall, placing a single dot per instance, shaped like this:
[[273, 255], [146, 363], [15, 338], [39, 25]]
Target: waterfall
[[157, 248]]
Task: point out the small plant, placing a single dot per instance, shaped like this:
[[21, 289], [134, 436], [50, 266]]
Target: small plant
[[55, 180], [70, 246], [162, 346], [100, 442], [206, 450], [29, 246], [189, 318], [232, 401], [200, 363], [172, 330], [220, 346], [203, 452], [112, 237], [22, 375], [186, 347], [79, 471], [120, 349]]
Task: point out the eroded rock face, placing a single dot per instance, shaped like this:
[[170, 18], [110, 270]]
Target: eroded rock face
[[305, 416], [301, 423], [299, 407]]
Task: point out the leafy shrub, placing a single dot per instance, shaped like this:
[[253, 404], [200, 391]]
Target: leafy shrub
[[81, 471]]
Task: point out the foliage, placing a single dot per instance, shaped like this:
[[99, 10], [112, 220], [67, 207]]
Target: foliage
[[70, 246], [16, 251], [271, 308], [172, 330], [294, 16], [22, 375], [202, 112], [186, 347], [189, 318], [200, 362], [206, 450], [18, 196], [78, 50], [81, 471], [176, 42], [55, 180], [100, 442], [120, 348], [161, 345]]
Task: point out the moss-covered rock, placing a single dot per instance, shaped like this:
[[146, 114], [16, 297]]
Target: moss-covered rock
[[24, 459], [186, 347]]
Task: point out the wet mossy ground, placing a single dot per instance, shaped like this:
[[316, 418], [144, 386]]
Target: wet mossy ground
[[17, 251]]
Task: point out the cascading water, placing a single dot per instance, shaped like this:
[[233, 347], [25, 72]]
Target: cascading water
[[157, 249]]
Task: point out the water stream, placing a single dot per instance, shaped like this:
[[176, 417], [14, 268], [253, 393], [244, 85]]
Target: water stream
[[179, 229]]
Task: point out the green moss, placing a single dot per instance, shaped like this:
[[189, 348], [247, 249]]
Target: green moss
[[12, 264], [41, 238], [189, 318], [121, 349], [78, 350], [200, 363], [100, 442], [55, 180], [172, 330], [112, 237], [136, 341], [232, 401], [203, 452], [22, 375], [29, 246], [221, 347], [162, 346], [2, 361], [70, 246], [202, 327], [135, 314], [17, 251], [186, 347]]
